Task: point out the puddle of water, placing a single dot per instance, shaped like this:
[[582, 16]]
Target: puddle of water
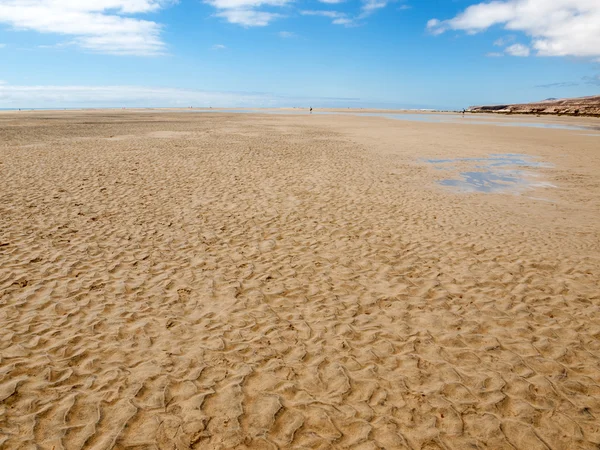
[[498, 173], [486, 182]]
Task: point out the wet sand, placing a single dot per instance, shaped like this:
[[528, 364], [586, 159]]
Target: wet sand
[[218, 281]]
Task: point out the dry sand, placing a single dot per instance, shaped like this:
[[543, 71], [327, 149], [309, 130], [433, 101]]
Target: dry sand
[[222, 281]]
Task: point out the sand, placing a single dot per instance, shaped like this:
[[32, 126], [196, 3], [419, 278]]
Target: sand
[[220, 281]]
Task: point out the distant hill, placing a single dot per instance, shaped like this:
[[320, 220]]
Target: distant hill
[[582, 106]]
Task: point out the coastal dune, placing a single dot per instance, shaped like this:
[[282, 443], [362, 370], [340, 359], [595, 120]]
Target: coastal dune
[[218, 281]]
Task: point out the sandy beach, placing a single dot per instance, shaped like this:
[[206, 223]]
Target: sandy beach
[[175, 280]]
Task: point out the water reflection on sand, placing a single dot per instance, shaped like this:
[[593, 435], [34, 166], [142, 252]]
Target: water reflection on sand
[[498, 173]]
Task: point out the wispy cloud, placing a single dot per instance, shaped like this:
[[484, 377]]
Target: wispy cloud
[[58, 45], [103, 26], [218, 47], [370, 6], [2, 45], [556, 28], [344, 21], [287, 34], [259, 13], [247, 12], [594, 80], [517, 50], [66, 96], [330, 14], [22, 96], [512, 50], [558, 85], [590, 80], [501, 42], [248, 17], [337, 17]]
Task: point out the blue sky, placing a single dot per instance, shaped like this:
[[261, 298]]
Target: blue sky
[[356, 53]]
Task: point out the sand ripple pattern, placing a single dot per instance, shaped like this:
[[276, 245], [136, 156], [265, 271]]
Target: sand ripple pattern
[[177, 282]]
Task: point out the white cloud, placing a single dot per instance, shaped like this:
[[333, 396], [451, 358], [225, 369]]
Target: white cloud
[[2, 45], [58, 45], [102, 26], [435, 27], [245, 4], [219, 47], [556, 27], [287, 34], [332, 2], [329, 14], [370, 6], [343, 21], [248, 17], [512, 50], [340, 18], [517, 50], [337, 17], [501, 42], [246, 12]]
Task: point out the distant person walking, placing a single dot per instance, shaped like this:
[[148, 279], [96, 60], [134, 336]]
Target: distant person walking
[[311, 109]]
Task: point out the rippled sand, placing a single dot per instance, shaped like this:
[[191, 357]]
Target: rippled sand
[[176, 281]]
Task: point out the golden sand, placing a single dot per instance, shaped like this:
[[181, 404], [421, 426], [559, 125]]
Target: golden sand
[[220, 281]]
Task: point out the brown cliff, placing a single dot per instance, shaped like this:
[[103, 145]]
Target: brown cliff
[[582, 106]]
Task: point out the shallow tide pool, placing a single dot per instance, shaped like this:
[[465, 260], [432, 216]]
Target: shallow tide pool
[[498, 173]]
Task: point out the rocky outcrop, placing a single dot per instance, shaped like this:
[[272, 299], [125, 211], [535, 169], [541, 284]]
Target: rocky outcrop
[[583, 106]]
